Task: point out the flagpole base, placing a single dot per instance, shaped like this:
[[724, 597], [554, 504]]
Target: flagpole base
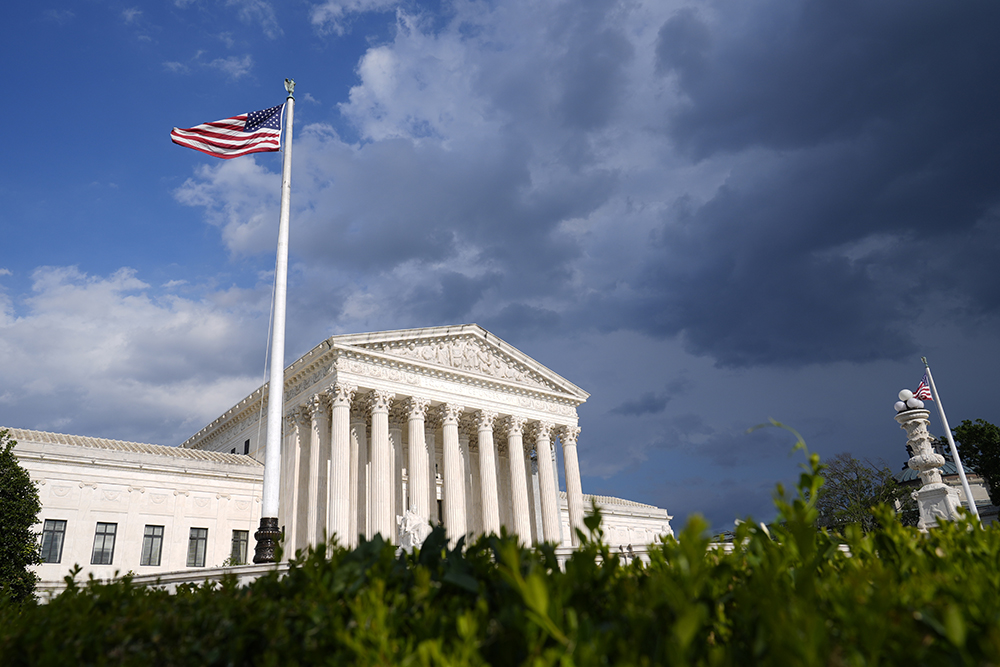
[[267, 537]]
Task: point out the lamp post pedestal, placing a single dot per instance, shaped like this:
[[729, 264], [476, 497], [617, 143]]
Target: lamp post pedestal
[[935, 499]]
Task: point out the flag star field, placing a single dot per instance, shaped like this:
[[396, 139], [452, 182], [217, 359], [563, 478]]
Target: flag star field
[[703, 213]]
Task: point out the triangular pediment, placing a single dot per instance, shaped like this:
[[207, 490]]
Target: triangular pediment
[[468, 349]]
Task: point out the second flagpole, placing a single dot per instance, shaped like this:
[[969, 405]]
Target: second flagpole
[[268, 534]]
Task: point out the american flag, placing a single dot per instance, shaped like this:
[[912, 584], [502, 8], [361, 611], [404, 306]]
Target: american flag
[[254, 132], [923, 391]]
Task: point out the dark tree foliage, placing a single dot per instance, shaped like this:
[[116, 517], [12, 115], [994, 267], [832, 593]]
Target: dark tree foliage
[[19, 509], [853, 487], [979, 446]]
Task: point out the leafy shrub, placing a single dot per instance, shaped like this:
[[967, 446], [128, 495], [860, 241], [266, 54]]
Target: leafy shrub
[[791, 597]]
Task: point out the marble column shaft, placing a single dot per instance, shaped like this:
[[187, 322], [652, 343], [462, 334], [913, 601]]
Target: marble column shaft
[[359, 474], [550, 499], [339, 521], [518, 479], [430, 439], [574, 488], [504, 496], [533, 495], [303, 454], [398, 500], [319, 460], [454, 486], [488, 472], [417, 474], [382, 494], [289, 478], [463, 446], [475, 511]]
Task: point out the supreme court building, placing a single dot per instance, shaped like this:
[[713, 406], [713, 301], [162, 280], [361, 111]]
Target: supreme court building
[[449, 423]]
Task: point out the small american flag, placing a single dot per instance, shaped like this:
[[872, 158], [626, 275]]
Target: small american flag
[[923, 391], [254, 132]]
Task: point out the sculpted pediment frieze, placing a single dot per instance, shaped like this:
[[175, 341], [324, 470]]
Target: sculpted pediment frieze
[[465, 354]]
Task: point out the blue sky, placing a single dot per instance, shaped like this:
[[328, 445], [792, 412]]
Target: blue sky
[[705, 214]]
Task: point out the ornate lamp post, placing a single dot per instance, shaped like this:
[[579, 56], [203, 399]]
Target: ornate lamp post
[[935, 499]]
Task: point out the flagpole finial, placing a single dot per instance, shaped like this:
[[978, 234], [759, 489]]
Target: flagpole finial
[[924, 359], [290, 88]]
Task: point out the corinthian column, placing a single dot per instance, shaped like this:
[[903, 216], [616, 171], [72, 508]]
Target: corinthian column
[[473, 487], [454, 485], [339, 521], [289, 477], [430, 439], [382, 522], [319, 459], [574, 488], [417, 473], [488, 471], [396, 448], [518, 479], [359, 478], [546, 480], [303, 456]]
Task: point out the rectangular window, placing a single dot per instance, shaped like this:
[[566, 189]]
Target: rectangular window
[[197, 546], [104, 544], [152, 545], [53, 534], [241, 538], [246, 447]]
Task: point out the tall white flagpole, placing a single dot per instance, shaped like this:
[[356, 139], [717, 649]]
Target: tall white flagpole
[[951, 442], [268, 534]]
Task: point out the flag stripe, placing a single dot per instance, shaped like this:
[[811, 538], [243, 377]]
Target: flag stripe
[[229, 138], [180, 136], [923, 391]]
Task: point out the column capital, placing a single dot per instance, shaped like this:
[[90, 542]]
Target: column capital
[[515, 424], [302, 416], [568, 435], [340, 394], [316, 404], [543, 430], [380, 400], [485, 419], [451, 413], [416, 407]]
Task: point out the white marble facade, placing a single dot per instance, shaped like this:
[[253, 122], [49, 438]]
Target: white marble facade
[[450, 423], [114, 507]]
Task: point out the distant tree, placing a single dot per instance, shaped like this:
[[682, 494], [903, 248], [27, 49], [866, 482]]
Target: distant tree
[[979, 446], [854, 487], [19, 509]]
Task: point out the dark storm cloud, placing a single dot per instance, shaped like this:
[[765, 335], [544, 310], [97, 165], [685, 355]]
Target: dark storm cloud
[[449, 297], [402, 201], [590, 71], [726, 447], [719, 501], [788, 74], [647, 404], [866, 138], [522, 321]]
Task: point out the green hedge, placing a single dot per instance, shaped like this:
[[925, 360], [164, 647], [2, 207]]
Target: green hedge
[[791, 597]]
